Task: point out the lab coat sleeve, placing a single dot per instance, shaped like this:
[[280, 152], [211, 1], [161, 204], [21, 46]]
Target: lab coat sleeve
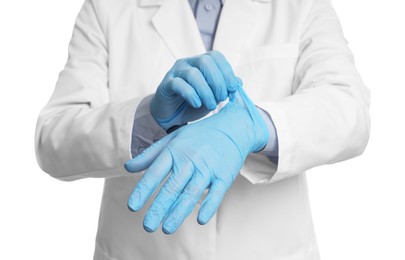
[[80, 133], [146, 130], [326, 119], [271, 148]]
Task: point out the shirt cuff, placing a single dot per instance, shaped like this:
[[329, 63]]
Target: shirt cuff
[[145, 130], [271, 148]]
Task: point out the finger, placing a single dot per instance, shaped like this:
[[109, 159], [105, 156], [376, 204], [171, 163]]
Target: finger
[[185, 203], [226, 69], [196, 80], [146, 158], [239, 83], [180, 87], [239, 97], [212, 75], [149, 182], [211, 203], [167, 196]]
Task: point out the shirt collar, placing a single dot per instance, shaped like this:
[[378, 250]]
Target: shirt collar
[[159, 2]]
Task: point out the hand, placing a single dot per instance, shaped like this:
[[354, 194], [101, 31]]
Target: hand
[[192, 87], [207, 154]]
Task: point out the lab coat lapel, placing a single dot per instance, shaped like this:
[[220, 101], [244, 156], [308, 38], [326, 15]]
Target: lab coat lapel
[[176, 25], [235, 25]]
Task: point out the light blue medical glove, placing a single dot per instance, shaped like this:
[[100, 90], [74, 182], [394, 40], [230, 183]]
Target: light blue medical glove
[[192, 87], [207, 154]]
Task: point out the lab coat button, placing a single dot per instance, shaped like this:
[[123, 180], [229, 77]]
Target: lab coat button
[[208, 7]]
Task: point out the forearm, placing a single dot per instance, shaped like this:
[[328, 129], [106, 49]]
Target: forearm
[[326, 119], [81, 132], [145, 129], [78, 141]]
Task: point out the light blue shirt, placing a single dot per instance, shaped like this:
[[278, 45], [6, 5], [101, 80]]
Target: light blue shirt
[[206, 13]]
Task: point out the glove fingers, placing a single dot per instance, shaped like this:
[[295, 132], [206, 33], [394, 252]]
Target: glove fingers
[[226, 69], [212, 74], [167, 196], [239, 97], [211, 202], [181, 87], [195, 79], [143, 160], [185, 203], [156, 173]]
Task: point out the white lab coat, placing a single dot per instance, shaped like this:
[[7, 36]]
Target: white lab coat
[[295, 64]]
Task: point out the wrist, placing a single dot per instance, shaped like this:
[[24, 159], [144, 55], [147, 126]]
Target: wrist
[[258, 125]]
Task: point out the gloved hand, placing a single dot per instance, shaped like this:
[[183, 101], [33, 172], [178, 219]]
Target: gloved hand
[[192, 87], [207, 154]]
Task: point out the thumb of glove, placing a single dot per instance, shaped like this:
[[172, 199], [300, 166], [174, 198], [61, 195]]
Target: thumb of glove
[[146, 158]]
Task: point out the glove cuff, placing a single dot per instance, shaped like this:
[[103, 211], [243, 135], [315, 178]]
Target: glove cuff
[[260, 131]]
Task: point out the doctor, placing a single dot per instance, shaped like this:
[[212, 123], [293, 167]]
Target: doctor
[[285, 97]]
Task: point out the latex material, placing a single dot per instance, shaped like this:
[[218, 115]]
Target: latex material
[[191, 88], [204, 155]]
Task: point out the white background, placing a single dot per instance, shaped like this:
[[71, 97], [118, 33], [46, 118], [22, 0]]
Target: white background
[[358, 206]]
